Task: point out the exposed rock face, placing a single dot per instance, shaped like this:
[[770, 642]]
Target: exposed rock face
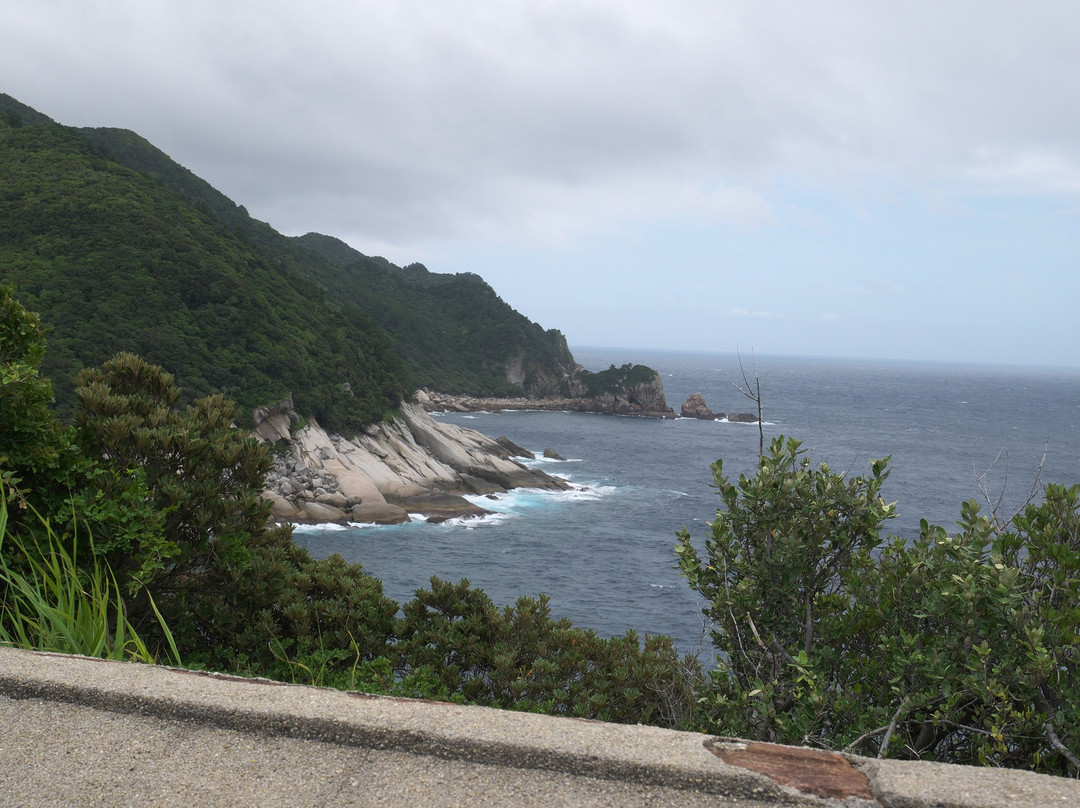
[[274, 423], [695, 407], [411, 464]]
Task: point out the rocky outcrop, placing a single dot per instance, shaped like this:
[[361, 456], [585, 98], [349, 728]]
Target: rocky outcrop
[[408, 465], [607, 404], [695, 407], [743, 418]]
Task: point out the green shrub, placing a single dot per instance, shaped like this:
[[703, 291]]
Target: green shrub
[[282, 614], [959, 648], [51, 599], [454, 643]]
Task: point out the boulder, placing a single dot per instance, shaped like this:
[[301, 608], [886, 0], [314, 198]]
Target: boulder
[[438, 506], [513, 450], [280, 508], [380, 513], [551, 454], [334, 499], [695, 407], [318, 513], [743, 417], [273, 423]]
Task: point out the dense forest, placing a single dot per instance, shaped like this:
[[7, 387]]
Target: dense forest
[[119, 248]]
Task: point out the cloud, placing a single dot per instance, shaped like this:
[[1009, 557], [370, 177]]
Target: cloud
[[1032, 171], [408, 121], [665, 132], [757, 313]]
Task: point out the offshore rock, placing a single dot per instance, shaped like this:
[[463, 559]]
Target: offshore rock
[[695, 407], [743, 418], [407, 465]]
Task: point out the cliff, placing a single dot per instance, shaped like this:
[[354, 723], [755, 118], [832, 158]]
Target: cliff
[[406, 465]]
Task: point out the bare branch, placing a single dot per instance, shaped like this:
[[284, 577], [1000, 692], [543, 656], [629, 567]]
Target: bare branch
[[753, 392], [864, 736], [997, 504], [1051, 733], [1055, 742], [892, 727]]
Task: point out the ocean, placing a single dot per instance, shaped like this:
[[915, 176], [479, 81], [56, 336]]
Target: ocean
[[604, 552]]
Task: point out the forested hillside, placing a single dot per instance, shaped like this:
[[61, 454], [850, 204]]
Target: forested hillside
[[453, 332], [120, 248]]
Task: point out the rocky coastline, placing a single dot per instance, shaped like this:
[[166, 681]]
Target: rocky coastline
[[608, 404], [414, 467], [402, 469], [696, 407]]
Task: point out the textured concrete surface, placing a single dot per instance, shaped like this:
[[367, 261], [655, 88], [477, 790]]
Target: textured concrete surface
[[85, 732]]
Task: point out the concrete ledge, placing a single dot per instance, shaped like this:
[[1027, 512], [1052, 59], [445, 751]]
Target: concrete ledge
[[534, 759]]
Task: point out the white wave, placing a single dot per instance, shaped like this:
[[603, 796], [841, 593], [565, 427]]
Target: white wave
[[540, 460], [473, 522], [321, 527], [523, 499]]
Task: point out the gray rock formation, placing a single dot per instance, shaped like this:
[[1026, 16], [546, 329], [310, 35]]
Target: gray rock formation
[[695, 407], [409, 465], [742, 418]]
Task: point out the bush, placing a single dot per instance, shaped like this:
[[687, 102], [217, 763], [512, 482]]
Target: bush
[[454, 643], [959, 648], [285, 615]]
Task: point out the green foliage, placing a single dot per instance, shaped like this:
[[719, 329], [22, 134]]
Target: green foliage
[[774, 583], [202, 476], [958, 648], [283, 614], [455, 644], [615, 380], [115, 261], [32, 441], [53, 599], [453, 332]]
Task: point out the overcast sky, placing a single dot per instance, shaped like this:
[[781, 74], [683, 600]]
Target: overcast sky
[[873, 179]]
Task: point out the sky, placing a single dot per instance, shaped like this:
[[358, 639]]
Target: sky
[[890, 180]]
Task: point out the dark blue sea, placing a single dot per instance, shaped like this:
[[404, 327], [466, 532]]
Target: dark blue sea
[[604, 552]]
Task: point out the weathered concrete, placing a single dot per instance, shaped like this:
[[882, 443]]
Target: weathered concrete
[[87, 732]]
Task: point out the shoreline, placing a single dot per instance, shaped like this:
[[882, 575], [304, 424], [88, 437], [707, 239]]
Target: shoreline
[[390, 472], [433, 401]]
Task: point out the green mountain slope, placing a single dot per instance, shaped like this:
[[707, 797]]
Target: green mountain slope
[[453, 332], [114, 260], [120, 248]]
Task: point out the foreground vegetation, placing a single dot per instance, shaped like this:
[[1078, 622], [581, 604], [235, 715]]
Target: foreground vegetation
[[131, 523], [961, 647], [138, 532], [140, 529]]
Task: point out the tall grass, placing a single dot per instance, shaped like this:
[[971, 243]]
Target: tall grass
[[49, 603]]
